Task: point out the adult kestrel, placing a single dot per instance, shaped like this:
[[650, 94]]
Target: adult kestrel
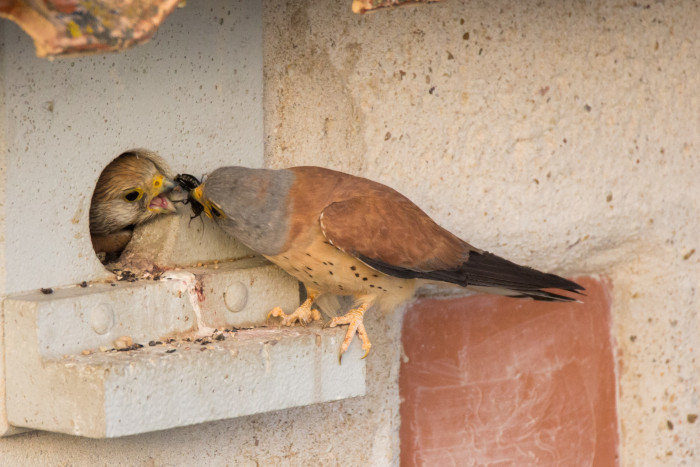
[[131, 190], [346, 235]]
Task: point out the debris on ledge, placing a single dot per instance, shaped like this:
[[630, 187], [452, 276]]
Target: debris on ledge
[[179, 381], [363, 6], [72, 27]]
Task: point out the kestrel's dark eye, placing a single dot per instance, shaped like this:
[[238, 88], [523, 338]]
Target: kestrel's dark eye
[[216, 212], [133, 195]]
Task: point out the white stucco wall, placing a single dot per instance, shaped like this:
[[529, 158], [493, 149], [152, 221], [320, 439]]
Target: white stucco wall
[[562, 135]]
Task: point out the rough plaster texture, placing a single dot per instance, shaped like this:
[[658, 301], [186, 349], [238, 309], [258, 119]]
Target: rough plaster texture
[[560, 134]]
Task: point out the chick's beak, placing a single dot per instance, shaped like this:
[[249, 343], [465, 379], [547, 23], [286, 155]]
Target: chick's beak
[[159, 202], [161, 184]]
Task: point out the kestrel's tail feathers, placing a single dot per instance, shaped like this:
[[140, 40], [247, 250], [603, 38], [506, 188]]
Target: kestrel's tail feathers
[[487, 272]]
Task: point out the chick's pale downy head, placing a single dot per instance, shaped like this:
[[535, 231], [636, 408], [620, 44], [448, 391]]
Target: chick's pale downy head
[[131, 190]]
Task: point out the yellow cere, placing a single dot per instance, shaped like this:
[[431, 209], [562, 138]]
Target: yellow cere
[[198, 195], [157, 183]]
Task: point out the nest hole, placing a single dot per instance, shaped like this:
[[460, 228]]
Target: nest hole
[[131, 190]]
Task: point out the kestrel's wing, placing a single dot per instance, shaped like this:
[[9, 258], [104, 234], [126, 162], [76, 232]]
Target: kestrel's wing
[[393, 231], [394, 236]]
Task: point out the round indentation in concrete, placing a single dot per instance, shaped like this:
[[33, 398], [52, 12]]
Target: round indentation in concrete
[[102, 318], [236, 297]]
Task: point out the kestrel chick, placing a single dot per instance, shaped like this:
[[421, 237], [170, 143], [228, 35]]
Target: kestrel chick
[[347, 235], [131, 190]]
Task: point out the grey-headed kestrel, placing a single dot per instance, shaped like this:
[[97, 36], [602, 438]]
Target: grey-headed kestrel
[[346, 235], [131, 190]]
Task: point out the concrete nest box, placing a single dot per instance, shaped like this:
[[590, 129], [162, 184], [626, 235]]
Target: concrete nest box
[[91, 353]]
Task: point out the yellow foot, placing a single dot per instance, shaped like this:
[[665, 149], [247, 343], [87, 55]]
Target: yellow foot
[[303, 315], [353, 318]]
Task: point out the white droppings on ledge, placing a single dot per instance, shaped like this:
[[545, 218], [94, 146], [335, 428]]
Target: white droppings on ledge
[[187, 284]]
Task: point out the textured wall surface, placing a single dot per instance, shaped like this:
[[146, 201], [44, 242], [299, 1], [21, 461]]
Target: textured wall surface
[[559, 134]]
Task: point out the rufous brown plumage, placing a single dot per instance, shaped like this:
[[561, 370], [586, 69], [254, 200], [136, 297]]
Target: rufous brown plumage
[[347, 235]]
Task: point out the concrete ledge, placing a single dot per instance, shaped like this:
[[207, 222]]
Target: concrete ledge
[[111, 394], [63, 375]]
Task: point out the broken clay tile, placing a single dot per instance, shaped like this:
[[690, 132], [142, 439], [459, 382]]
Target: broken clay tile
[[363, 6], [72, 27], [491, 380]]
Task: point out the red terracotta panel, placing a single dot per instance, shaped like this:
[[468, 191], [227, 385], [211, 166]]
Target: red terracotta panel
[[497, 381]]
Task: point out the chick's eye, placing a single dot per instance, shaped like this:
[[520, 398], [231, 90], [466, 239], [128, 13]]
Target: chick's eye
[[133, 195]]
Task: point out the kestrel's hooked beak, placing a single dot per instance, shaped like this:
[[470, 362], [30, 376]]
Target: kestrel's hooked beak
[[210, 209], [160, 203]]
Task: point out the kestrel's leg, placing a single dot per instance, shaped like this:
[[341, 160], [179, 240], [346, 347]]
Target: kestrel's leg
[[303, 315], [353, 318]]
